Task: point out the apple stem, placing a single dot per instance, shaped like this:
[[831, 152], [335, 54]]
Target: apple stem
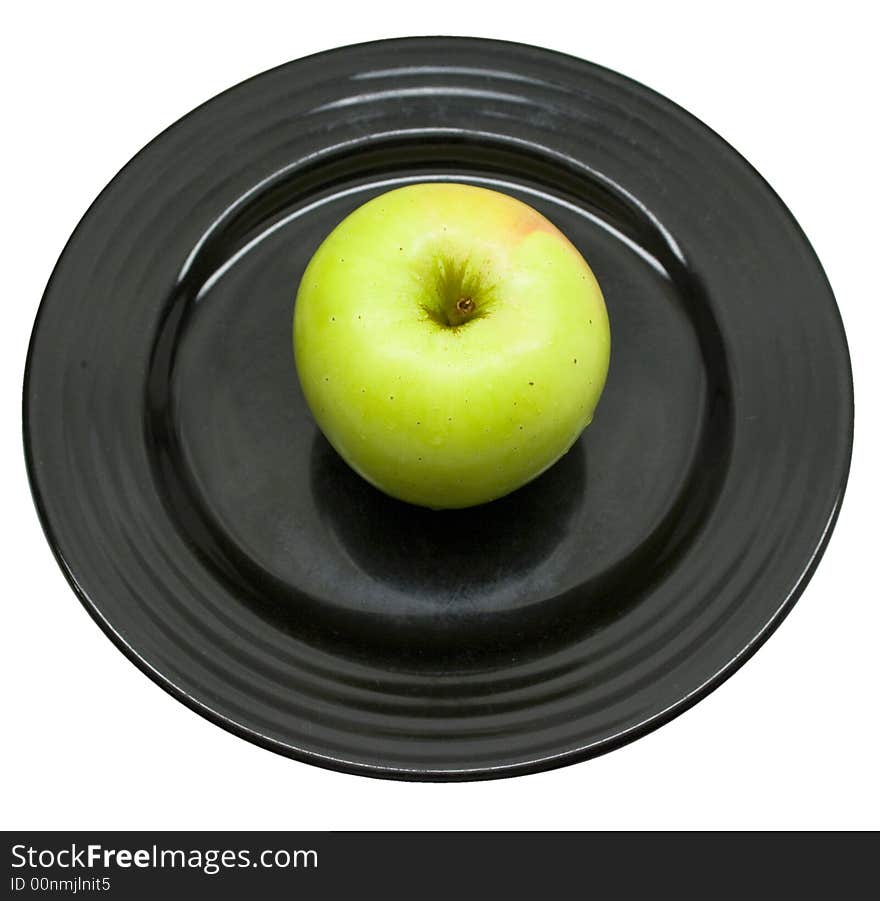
[[464, 310], [452, 315]]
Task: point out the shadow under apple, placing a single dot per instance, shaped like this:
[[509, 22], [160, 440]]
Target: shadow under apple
[[447, 556]]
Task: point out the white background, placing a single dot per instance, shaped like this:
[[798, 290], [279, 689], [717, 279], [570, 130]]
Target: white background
[[790, 742]]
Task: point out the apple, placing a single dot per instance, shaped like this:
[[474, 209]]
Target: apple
[[451, 343]]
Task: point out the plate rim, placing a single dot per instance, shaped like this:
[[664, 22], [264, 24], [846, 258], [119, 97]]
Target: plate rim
[[525, 767]]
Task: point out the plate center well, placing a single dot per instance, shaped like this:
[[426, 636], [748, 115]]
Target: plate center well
[[331, 559]]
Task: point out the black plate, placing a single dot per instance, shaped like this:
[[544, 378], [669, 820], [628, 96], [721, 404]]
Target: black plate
[[219, 541]]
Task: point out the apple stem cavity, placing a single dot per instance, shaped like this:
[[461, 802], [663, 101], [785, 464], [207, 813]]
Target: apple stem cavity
[[455, 295]]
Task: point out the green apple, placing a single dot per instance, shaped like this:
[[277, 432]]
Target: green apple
[[451, 343]]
